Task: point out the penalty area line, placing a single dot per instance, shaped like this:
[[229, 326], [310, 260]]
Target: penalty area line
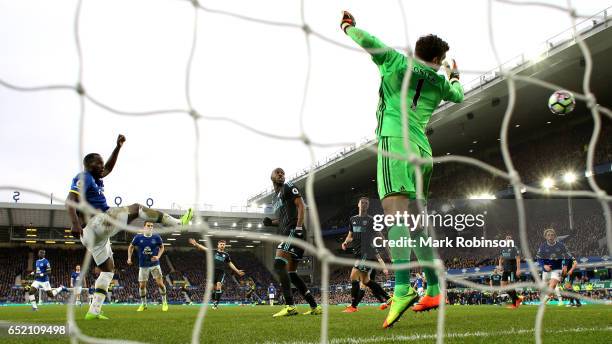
[[418, 337]]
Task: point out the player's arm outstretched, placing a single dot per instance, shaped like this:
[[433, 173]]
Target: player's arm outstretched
[[196, 245], [380, 52], [235, 269], [110, 163]]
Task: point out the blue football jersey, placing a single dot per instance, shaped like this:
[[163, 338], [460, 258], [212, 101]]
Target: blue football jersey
[[553, 255], [419, 282], [147, 248], [42, 269], [74, 276], [271, 290], [94, 190]]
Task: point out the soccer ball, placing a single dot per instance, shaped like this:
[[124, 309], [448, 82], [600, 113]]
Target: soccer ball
[[561, 102]]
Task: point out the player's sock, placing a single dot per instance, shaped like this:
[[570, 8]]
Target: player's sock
[[379, 293], [426, 254], [512, 294], [361, 295], [101, 285], [355, 293], [400, 256], [33, 301], [148, 214], [301, 287], [285, 281], [219, 292], [56, 291], [162, 292], [143, 295]]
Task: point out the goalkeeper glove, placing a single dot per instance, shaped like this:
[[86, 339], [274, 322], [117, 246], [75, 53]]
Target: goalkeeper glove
[[267, 221], [347, 21], [451, 70]]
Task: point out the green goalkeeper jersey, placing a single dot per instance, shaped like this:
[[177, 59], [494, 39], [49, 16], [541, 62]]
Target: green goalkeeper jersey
[[426, 90]]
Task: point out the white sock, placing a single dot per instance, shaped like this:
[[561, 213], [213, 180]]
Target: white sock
[[143, 296], [102, 283], [169, 221], [33, 301], [153, 215], [162, 292]]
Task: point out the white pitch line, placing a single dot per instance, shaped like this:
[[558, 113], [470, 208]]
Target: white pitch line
[[418, 337]]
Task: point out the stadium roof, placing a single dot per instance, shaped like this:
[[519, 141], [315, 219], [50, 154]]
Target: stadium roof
[[51, 221], [474, 125]]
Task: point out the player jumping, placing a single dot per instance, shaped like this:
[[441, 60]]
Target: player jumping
[[222, 260], [150, 249], [550, 257], [41, 280], [396, 178], [289, 210], [510, 265], [361, 235], [96, 233]]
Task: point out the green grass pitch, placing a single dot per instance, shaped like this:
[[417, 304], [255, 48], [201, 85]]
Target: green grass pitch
[[234, 324]]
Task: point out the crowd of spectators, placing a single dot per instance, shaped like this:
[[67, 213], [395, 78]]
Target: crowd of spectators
[[188, 278], [549, 155]]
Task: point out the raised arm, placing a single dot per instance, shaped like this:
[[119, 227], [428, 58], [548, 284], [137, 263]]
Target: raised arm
[[196, 245], [379, 51], [112, 160], [453, 91]]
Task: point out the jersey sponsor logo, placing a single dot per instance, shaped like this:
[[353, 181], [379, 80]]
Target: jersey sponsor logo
[[147, 250]]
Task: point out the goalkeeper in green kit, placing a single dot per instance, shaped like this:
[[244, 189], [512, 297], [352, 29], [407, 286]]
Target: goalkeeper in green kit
[[396, 178]]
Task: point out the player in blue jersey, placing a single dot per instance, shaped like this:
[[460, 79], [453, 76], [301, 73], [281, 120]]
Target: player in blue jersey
[[419, 284], [75, 277], [95, 231], [550, 257], [42, 269], [150, 249], [271, 293]]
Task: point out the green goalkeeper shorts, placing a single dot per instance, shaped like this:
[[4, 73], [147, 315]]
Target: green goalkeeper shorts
[[397, 176]]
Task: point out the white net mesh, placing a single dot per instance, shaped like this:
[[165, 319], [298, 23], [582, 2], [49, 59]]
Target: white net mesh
[[325, 256]]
